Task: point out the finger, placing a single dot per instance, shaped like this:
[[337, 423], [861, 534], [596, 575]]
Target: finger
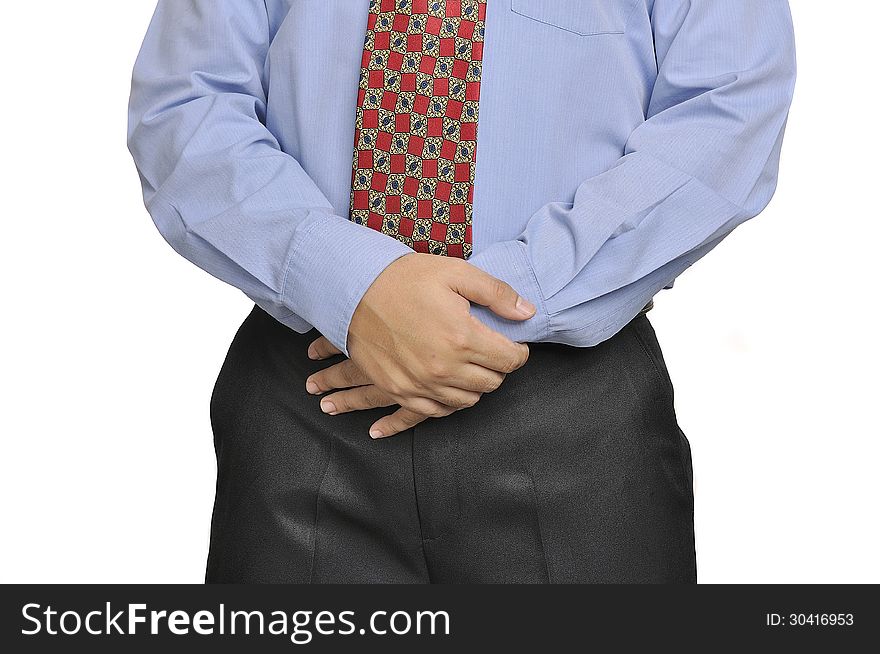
[[482, 288], [425, 406], [322, 349], [397, 422], [491, 350], [455, 399], [477, 378], [345, 374], [356, 399]]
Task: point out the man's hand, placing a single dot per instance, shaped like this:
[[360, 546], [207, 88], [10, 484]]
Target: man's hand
[[360, 393], [413, 336]]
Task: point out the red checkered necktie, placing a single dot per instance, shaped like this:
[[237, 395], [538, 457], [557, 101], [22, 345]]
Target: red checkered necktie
[[416, 131]]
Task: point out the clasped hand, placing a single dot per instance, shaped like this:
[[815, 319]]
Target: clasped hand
[[413, 343]]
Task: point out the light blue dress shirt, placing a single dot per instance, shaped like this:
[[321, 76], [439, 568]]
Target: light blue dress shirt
[[619, 141]]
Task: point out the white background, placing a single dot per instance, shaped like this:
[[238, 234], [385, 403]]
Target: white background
[[107, 461]]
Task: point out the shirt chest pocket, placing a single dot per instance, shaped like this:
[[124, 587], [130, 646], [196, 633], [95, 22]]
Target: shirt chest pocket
[[583, 17]]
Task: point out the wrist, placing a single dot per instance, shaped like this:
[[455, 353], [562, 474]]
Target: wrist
[[332, 263]]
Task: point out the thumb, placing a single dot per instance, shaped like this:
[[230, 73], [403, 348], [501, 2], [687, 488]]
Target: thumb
[[481, 288]]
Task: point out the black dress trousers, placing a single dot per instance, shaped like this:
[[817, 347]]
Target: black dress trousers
[[575, 470]]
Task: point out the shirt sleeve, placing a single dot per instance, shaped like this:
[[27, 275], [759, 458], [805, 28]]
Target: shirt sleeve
[[217, 184], [704, 161]]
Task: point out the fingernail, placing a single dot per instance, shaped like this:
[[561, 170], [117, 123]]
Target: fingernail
[[312, 387], [328, 407], [525, 307], [313, 353], [376, 433]]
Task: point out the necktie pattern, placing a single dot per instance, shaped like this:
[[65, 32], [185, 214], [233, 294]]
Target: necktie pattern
[[416, 130]]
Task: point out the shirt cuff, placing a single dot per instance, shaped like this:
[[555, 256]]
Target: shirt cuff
[[332, 263], [509, 262]]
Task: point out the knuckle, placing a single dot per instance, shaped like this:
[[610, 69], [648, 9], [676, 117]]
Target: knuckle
[[413, 420], [422, 408], [370, 398], [336, 377], [517, 360], [426, 408], [455, 402], [470, 401], [478, 382], [418, 382], [508, 364], [494, 383], [347, 371], [461, 401], [413, 405], [394, 388], [438, 369], [405, 420], [455, 265], [459, 339], [499, 289]]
